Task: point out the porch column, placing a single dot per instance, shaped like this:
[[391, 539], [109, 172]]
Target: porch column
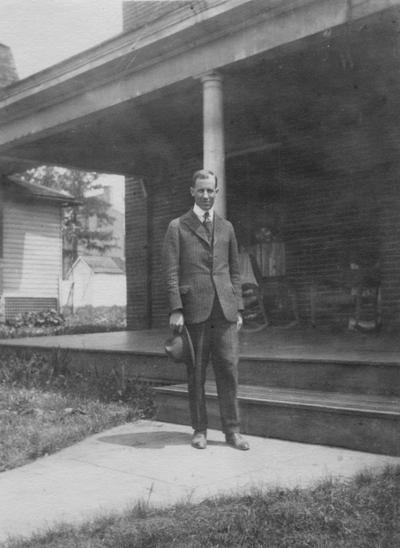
[[213, 134]]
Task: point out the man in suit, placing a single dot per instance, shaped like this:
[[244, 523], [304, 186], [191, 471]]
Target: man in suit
[[204, 292]]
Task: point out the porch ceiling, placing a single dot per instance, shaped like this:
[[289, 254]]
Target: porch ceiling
[[331, 101], [322, 99], [128, 138]]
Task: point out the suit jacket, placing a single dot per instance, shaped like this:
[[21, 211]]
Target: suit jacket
[[197, 270]]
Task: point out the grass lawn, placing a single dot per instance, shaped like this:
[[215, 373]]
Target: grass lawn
[[361, 513], [34, 423], [46, 405]]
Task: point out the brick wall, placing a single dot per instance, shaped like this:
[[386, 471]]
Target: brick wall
[[390, 244], [357, 217], [328, 222], [326, 229], [171, 199], [136, 253], [167, 197], [2, 302]]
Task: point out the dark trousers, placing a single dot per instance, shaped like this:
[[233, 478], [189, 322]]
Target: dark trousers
[[216, 338]]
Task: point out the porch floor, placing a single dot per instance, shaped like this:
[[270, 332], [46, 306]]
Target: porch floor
[[297, 343]]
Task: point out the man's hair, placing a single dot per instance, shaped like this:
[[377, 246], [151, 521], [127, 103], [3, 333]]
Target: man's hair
[[203, 174]]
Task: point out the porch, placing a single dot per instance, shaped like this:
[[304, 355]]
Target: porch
[[299, 384]]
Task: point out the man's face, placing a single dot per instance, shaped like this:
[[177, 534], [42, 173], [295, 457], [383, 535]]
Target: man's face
[[204, 193]]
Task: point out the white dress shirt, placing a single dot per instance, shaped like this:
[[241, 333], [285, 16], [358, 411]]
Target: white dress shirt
[[200, 213]]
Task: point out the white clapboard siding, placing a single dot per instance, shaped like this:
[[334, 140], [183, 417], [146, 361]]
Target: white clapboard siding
[[32, 249]]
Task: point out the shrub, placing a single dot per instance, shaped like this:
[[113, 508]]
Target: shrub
[[44, 318], [87, 319]]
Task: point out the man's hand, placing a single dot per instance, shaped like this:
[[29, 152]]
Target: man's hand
[[239, 322], [176, 321]]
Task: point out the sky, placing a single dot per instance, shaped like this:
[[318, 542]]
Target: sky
[[44, 32], [41, 33]]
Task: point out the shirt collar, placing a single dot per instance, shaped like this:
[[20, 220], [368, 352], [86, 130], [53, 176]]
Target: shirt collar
[[200, 212]]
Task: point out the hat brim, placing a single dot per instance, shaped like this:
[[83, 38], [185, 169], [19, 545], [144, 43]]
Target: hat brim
[[188, 355], [190, 345]]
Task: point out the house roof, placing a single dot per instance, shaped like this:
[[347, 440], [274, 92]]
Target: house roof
[[103, 265], [20, 188]]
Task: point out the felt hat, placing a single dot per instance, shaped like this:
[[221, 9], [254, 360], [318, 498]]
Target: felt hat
[[179, 347]]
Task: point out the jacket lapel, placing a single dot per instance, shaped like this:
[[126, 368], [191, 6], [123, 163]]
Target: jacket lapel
[[217, 227], [191, 220]]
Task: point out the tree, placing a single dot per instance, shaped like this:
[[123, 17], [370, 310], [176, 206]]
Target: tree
[[87, 228]]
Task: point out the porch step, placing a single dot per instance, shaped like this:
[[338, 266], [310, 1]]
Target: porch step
[[350, 374], [354, 421]]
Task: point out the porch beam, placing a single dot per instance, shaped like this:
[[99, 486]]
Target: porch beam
[[264, 147], [270, 27]]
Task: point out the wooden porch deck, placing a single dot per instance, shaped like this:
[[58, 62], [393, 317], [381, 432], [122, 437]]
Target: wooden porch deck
[[296, 343]]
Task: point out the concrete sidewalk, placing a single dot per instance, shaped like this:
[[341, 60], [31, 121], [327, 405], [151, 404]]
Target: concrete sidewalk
[[154, 462]]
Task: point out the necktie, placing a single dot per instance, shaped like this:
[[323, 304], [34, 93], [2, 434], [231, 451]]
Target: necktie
[[207, 223]]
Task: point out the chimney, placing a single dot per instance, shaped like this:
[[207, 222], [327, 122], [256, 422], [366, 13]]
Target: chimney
[[8, 72]]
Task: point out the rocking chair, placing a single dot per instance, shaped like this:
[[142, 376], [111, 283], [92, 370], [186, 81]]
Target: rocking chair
[[254, 316]]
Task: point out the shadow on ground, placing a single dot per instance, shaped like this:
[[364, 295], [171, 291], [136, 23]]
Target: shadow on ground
[[152, 440]]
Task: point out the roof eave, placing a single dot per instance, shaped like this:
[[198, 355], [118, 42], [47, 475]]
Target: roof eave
[[133, 51]]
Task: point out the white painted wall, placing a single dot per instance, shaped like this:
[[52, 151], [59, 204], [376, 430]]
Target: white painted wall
[[32, 249], [81, 278], [94, 289], [109, 289]]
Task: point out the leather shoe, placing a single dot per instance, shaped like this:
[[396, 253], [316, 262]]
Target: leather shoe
[[237, 441], [199, 440]]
